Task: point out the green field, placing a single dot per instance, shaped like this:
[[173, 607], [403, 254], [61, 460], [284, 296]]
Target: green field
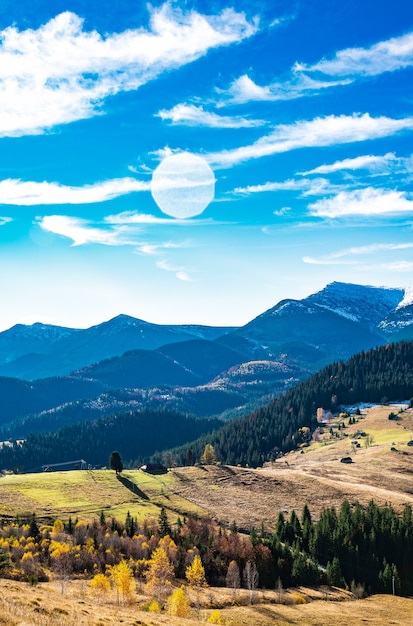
[[85, 493]]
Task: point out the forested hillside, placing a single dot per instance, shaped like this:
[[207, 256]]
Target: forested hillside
[[381, 374], [385, 373], [136, 434]]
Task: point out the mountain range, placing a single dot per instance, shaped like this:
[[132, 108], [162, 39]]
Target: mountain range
[[199, 369]]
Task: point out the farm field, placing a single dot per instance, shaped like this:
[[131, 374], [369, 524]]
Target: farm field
[[85, 493]]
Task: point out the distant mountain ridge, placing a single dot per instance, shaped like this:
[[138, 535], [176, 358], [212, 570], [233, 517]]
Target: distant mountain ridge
[[199, 369], [335, 322], [42, 351]]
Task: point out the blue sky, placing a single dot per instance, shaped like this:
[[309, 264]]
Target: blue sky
[[279, 136]]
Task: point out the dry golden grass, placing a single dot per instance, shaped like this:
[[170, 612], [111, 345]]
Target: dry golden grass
[[316, 476], [45, 605]]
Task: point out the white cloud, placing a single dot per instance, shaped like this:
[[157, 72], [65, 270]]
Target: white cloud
[[152, 249], [179, 272], [82, 232], [319, 132], [385, 56], [29, 193], [184, 276], [191, 115], [124, 229], [283, 211], [348, 65], [60, 73], [312, 187], [132, 217], [5, 220], [244, 89], [368, 201], [368, 162], [396, 266]]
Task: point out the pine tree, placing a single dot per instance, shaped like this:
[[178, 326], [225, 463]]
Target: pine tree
[[164, 527], [334, 574], [115, 462]]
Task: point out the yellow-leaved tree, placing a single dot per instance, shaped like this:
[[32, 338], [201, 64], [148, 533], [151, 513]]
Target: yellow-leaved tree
[[100, 586], [178, 603], [195, 575], [208, 456], [159, 574], [122, 579], [215, 617]]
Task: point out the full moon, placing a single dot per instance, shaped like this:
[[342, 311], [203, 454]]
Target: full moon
[[183, 185]]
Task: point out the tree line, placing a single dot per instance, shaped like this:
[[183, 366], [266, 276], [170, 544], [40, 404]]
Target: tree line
[[138, 434], [366, 550]]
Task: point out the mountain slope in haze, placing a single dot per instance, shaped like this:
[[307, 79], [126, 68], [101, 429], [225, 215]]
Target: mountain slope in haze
[[235, 392], [170, 373], [41, 351]]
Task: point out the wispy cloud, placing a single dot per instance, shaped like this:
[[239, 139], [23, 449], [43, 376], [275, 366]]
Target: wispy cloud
[[385, 56], [347, 66], [60, 72], [29, 193], [153, 249], [191, 115], [82, 231], [364, 202], [180, 272], [348, 255], [319, 132], [132, 217], [367, 162], [124, 229], [5, 220], [307, 187], [244, 89]]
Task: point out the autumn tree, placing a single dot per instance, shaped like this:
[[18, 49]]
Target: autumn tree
[[215, 617], [195, 575], [159, 574], [100, 585], [61, 561], [121, 577], [233, 579], [208, 456], [178, 603]]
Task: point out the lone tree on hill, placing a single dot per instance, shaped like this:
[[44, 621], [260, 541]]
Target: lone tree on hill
[[115, 462], [208, 457]]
